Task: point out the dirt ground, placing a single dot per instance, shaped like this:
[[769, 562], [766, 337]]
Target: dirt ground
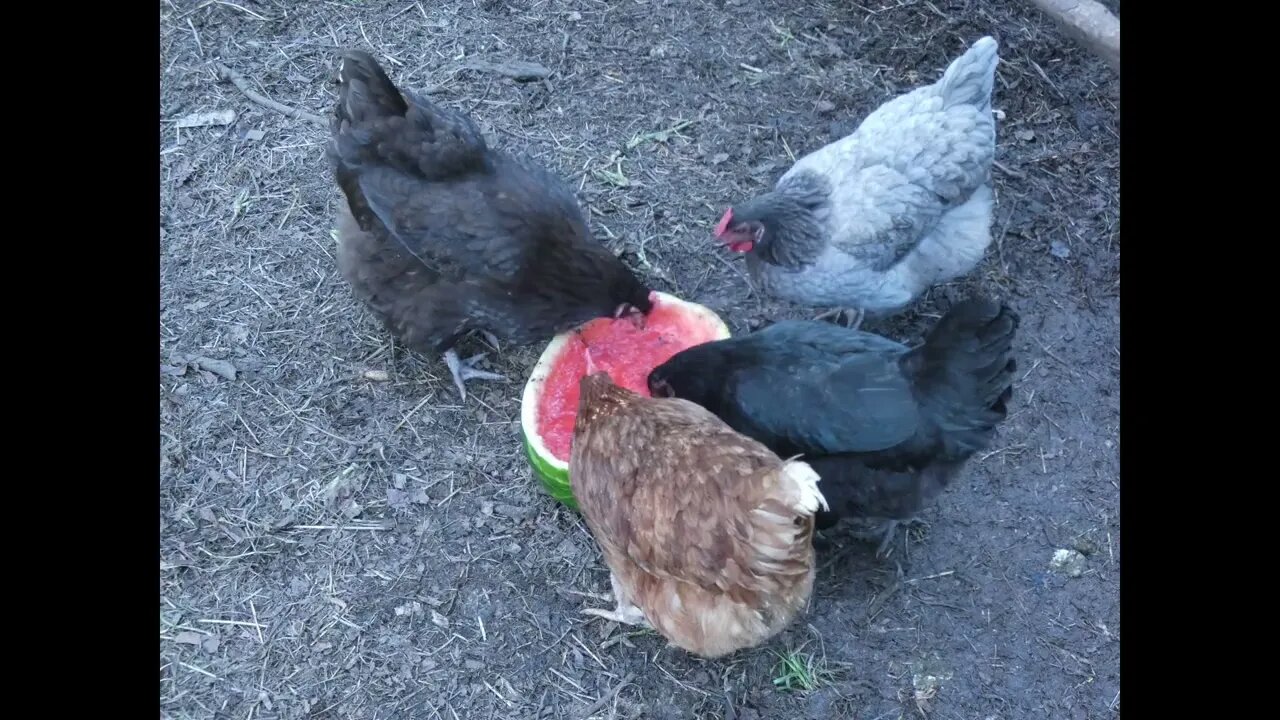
[[343, 537]]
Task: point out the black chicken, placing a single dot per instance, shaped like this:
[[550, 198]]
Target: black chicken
[[886, 427], [441, 235]]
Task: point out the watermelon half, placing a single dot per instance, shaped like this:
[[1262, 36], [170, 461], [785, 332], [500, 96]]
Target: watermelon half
[[627, 353]]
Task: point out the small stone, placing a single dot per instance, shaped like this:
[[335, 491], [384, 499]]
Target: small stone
[[221, 368], [410, 608], [514, 512], [397, 498], [1067, 562]]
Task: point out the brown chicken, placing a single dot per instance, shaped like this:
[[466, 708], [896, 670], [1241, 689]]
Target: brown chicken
[[441, 235], [707, 534]]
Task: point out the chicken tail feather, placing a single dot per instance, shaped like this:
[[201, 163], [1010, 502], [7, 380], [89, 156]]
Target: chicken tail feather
[[808, 498], [965, 369], [364, 90], [971, 78]]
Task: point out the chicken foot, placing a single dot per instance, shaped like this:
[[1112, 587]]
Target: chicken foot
[[491, 339], [625, 613], [856, 316], [890, 531], [464, 370]]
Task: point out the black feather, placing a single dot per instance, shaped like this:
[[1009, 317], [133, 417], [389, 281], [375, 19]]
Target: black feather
[[447, 234], [886, 427]]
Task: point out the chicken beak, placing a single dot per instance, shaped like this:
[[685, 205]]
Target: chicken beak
[[632, 313], [592, 368]]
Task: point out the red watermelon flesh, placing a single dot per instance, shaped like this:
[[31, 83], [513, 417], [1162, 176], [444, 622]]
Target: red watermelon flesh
[[626, 352]]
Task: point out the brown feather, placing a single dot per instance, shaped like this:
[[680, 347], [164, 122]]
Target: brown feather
[[705, 530]]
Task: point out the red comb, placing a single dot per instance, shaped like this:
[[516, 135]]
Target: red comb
[[724, 222]]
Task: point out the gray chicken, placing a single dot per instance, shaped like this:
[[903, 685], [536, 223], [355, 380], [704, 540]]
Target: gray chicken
[[869, 222], [441, 235]]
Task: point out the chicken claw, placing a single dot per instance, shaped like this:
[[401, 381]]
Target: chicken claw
[[855, 316], [464, 370]]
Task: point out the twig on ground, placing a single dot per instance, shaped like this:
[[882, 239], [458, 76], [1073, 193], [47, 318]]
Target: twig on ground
[[604, 699], [226, 74], [518, 70], [1089, 23]]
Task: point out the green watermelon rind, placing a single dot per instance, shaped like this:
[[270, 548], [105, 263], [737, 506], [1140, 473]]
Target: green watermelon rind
[[551, 473], [554, 479]]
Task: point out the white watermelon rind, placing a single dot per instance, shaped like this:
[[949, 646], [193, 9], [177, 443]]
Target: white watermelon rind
[[551, 472]]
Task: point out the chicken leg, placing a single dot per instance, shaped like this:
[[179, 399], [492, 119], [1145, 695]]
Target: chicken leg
[[624, 613], [856, 316], [890, 531], [464, 370]]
